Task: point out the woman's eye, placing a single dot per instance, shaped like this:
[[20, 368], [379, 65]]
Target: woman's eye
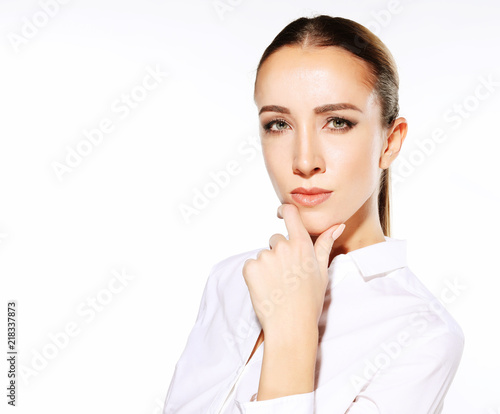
[[277, 126], [280, 125], [340, 124]]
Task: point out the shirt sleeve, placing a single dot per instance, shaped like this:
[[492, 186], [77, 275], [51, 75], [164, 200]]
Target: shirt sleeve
[[178, 379], [296, 404], [415, 381]]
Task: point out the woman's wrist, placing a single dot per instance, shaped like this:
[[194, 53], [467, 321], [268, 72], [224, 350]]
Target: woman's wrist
[[288, 365], [298, 334]]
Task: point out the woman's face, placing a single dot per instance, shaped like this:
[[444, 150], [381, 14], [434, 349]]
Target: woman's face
[[307, 144]]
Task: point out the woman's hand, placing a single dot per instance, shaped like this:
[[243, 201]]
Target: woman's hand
[[287, 283]]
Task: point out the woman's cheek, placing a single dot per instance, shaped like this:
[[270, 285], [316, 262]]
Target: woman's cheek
[[355, 176], [279, 179]]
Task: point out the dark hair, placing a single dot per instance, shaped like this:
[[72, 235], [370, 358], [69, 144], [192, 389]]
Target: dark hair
[[323, 31]]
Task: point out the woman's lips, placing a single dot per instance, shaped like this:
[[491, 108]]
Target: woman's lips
[[310, 200]]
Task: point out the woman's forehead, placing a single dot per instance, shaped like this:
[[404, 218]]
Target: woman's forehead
[[315, 75]]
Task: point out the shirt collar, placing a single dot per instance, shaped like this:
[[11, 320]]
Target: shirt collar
[[377, 258]]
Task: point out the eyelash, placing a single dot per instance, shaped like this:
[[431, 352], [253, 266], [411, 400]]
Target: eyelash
[[350, 125]]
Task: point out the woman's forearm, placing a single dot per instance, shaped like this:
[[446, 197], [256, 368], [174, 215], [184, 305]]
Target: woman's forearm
[[288, 365]]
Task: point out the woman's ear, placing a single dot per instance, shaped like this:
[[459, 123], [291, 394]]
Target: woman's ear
[[396, 134]]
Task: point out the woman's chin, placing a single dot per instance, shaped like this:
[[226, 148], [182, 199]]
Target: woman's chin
[[315, 226]]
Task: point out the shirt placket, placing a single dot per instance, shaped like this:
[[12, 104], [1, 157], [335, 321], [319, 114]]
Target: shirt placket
[[232, 390]]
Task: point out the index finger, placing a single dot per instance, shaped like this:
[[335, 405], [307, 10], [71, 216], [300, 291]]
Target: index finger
[[293, 222]]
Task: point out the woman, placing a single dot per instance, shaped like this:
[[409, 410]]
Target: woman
[[329, 319]]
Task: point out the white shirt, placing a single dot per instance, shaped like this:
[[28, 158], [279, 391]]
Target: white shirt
[[386, 344]]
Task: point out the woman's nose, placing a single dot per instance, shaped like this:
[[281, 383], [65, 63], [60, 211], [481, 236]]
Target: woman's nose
[[308, 158]]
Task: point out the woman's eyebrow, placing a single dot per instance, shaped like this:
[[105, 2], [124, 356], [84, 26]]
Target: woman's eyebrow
[[336, 107], [317, 110]]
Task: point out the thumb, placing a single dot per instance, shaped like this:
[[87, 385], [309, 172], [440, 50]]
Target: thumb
[[324, 244]]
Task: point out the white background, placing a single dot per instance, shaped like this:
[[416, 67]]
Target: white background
[[118, 210]]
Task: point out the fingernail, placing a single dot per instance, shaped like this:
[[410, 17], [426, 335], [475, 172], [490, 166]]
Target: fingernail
[[279, 211], [338, 231]]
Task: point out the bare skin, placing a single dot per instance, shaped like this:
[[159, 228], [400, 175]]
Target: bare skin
[[260, 339], [307, 148]]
